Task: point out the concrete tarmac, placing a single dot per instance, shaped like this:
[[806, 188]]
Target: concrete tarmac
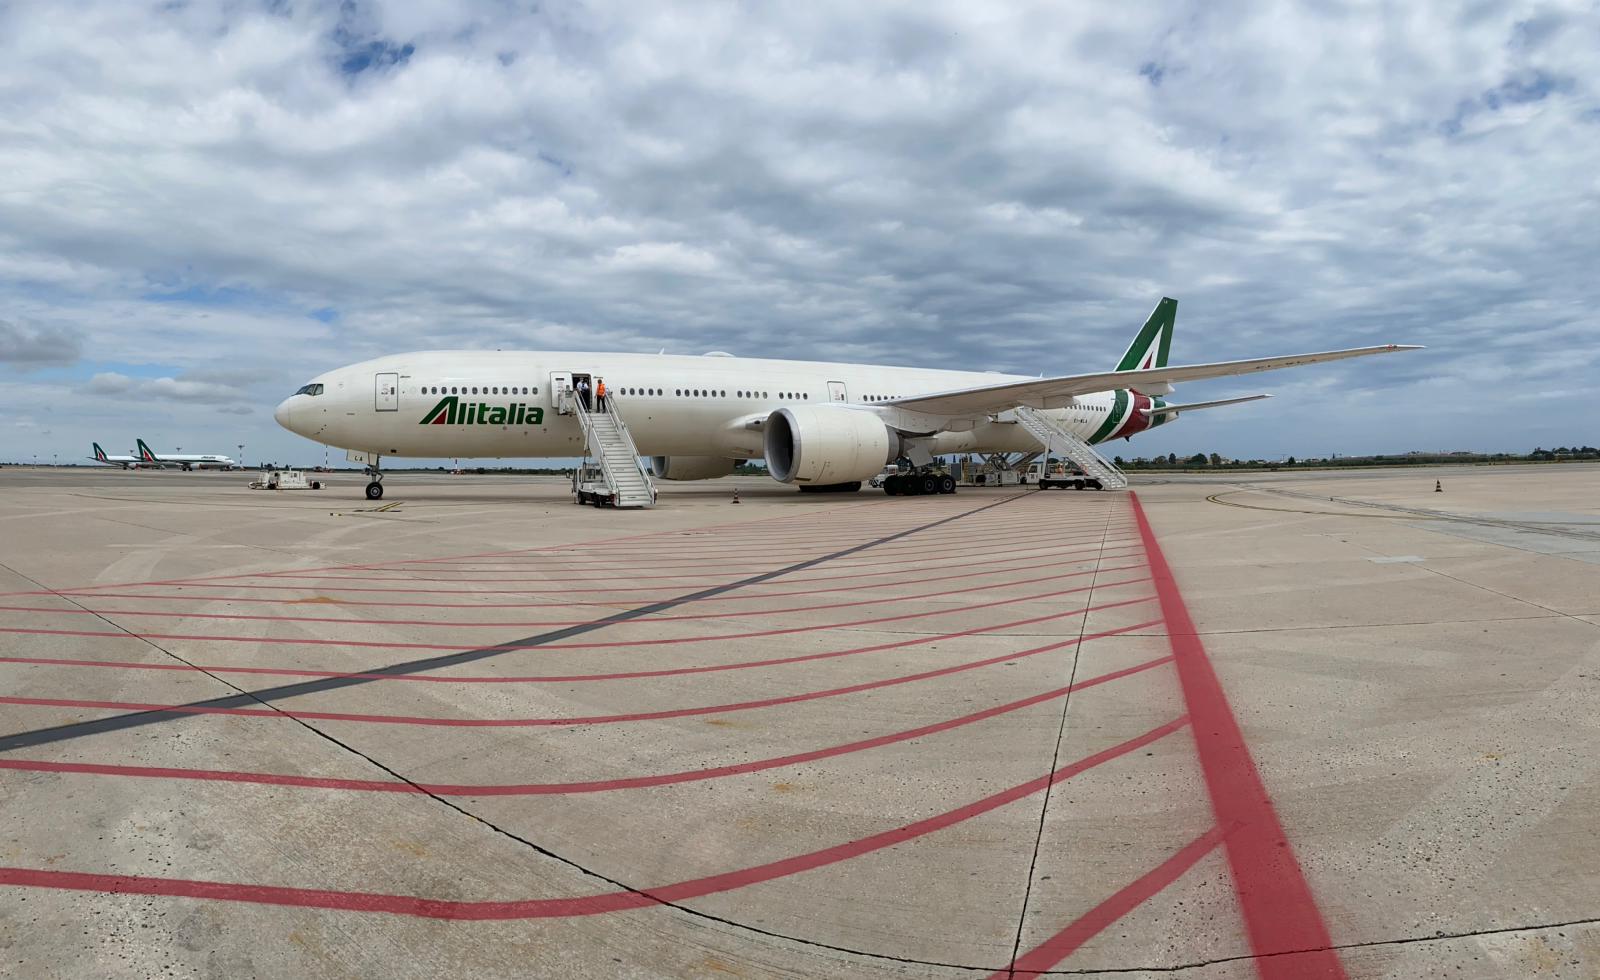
[[1281, 725]]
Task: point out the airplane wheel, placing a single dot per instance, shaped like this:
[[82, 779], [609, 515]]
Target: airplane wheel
[[930, 484], [947, 484], [374, 491], [891, 486]]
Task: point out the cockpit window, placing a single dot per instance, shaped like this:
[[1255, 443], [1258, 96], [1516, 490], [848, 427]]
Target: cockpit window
[[314, 389]]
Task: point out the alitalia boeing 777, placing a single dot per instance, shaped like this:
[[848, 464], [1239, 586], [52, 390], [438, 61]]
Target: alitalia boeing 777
[[818, 425]]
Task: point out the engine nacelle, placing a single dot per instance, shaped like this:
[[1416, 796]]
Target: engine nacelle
[[691, 467], [827, 444]]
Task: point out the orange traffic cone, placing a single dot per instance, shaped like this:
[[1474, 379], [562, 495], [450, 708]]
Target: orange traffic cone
[[1438, 487], [735, 494]]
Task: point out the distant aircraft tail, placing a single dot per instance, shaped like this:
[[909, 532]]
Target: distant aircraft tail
[[99, 454], [1154, 342], [145, 453]]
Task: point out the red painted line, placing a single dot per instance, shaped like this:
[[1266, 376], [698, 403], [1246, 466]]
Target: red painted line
[[946, 557], [899, 568], [616, 644], [564, 568], [351, 621], [547, 722], [744, 595], [670, 538], [580, 678], [564, 907], [723, 532], [1066, 942], [1280, 913], [581, 786]]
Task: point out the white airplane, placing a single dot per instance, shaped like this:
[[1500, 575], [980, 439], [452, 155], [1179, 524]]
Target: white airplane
[[126, 462], [819, 425], [189, 461]]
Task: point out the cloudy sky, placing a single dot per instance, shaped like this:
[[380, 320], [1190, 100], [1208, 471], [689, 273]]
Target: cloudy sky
[[204, 204]]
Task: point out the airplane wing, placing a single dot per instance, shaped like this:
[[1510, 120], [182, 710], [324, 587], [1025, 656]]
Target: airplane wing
[[1194, 406], [1058, 392]]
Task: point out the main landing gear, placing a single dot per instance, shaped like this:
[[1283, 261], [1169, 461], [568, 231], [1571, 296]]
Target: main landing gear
[[918, 483]]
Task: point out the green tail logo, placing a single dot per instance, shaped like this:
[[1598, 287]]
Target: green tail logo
[[1150, 348], [451, 411]]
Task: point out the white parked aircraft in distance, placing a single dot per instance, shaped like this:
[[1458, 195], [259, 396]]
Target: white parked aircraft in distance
[[126, 462], [819, 425], [189, 461]]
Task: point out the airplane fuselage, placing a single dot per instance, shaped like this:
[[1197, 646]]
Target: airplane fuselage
[[504, 403]]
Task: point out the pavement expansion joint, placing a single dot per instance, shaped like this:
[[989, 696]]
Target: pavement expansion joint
[[1055, 760]]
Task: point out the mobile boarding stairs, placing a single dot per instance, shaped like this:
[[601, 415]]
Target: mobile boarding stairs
[[616, 477], [1056, 438]]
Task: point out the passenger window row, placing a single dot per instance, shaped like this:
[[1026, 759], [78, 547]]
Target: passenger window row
[[479, 390], [629, 391]]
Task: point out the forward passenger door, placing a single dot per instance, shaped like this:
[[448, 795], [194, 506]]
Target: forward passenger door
[[386, 392]]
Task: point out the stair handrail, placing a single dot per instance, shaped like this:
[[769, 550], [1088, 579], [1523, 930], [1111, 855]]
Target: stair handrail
[[627, 440], [591, 445]]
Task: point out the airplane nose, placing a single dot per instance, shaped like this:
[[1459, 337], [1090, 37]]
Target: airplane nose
[[281, 413]]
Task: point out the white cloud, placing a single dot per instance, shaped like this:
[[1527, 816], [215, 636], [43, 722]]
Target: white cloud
[[1005, 186], [194, 389], [110, 383], [25, 347]]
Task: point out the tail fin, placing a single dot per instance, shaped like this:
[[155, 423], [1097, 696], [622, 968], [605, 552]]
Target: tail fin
[[145, 453], [99, 453], [1154, 342]]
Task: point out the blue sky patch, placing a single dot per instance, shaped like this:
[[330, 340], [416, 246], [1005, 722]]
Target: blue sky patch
[[374, 55]]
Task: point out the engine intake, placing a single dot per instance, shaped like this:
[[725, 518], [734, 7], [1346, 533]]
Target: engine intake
[[691, 467], [827, 444]]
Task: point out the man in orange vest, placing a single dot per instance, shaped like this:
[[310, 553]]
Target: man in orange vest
[[600, 394]]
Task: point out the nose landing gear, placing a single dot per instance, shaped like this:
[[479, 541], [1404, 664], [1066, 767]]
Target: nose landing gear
[[375, 487]]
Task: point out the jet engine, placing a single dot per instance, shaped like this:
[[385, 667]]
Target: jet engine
[[822, 445], [691, 467]]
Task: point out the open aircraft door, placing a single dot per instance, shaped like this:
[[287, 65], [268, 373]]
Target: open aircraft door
[[560, 381], [386, 392]]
